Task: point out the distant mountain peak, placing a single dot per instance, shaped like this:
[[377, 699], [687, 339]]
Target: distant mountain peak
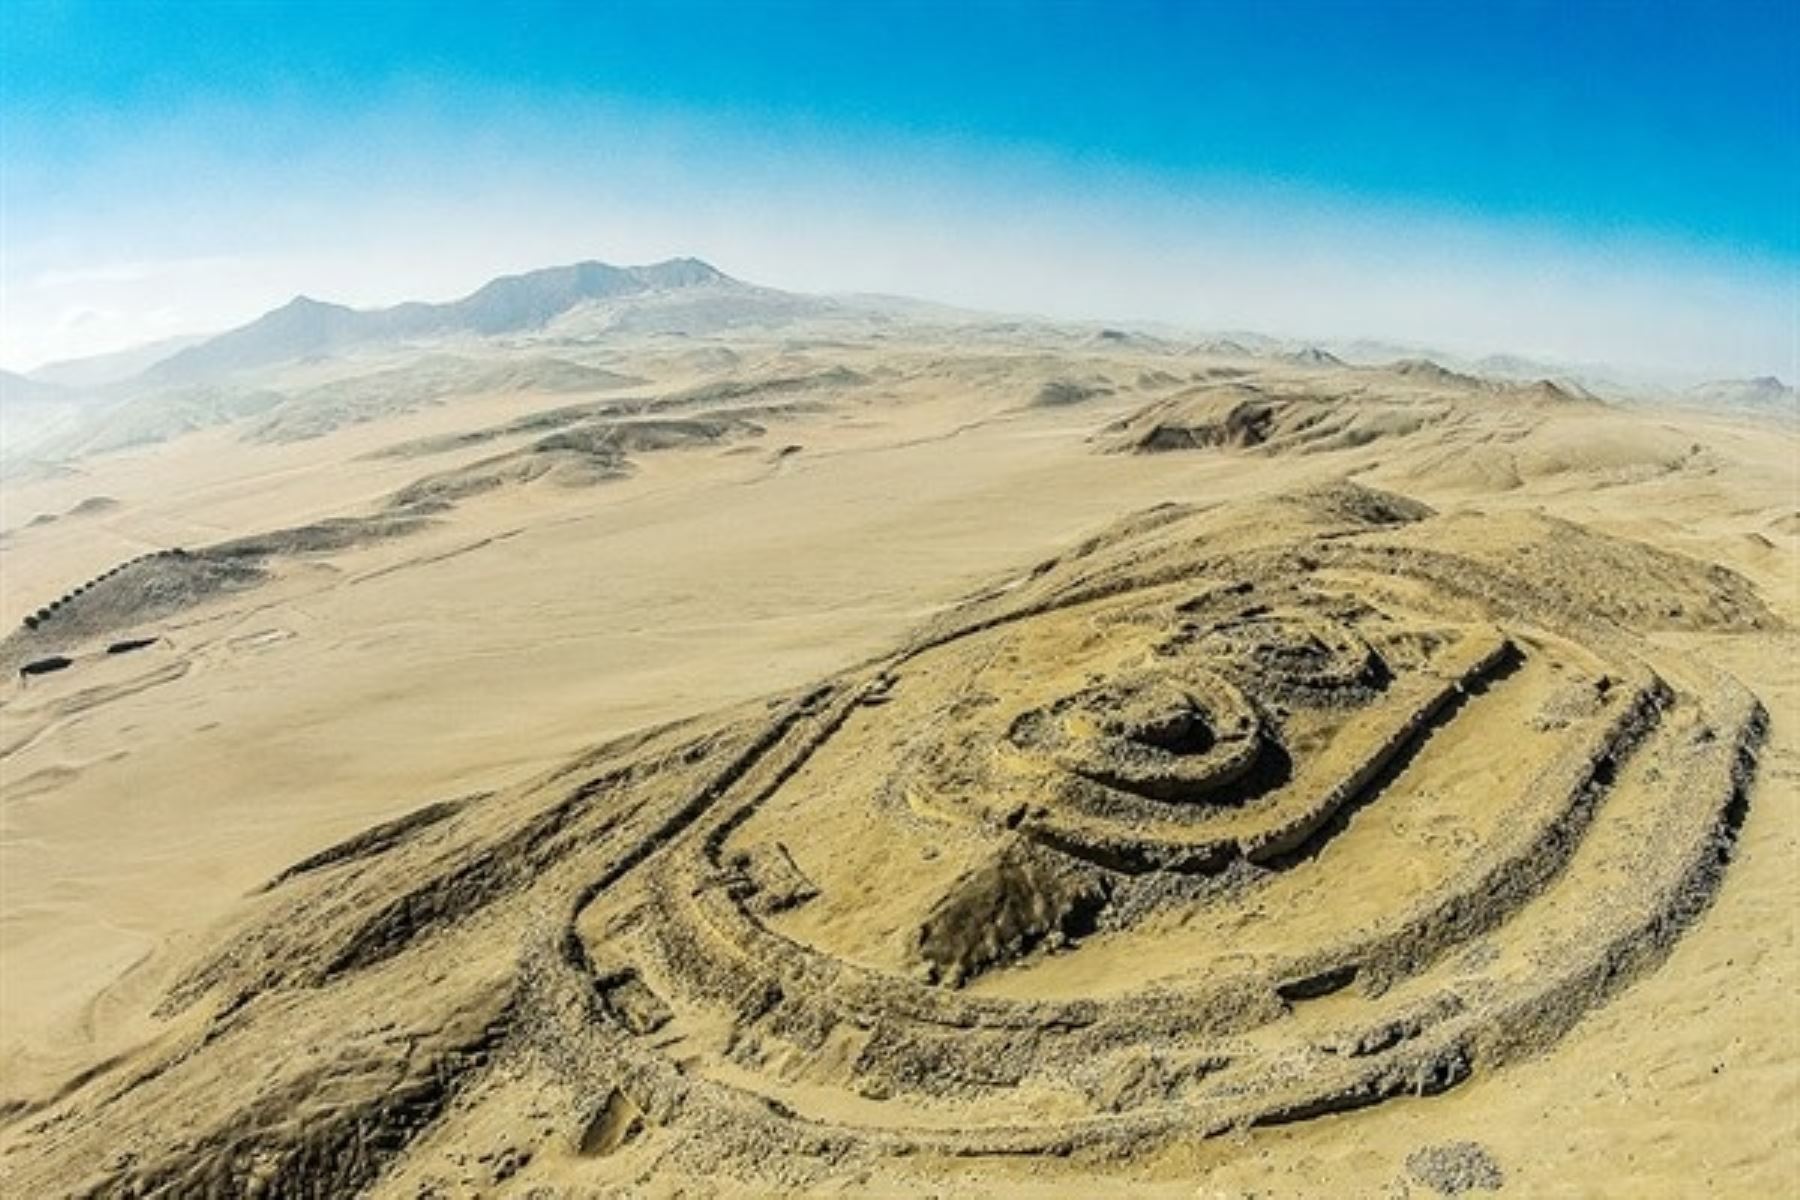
[[681, 272], [1763, 392], [306, 306], [304, 326], [1312, 356]]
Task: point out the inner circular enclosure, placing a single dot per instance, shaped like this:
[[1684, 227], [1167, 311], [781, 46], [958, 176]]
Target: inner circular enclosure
[[1163, 733]]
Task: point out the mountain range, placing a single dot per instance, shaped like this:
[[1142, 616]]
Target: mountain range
[[153, 392], [307, 328]]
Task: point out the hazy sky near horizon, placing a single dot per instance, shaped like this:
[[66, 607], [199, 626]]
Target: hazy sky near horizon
[[1587, 181]]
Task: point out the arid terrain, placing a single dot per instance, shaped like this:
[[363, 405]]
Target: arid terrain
[[633, 732]]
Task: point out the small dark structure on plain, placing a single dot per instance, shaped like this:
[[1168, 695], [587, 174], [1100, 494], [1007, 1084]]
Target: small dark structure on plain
[[130, 644]]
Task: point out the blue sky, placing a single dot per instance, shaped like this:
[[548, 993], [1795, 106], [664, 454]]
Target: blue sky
[[1487, 176]]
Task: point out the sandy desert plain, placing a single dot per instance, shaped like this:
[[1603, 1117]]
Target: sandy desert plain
[[638, 733]]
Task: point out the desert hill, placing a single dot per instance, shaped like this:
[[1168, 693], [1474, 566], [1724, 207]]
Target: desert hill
[[23, 391], [99, 370], [1765, 394], [33, 411]]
